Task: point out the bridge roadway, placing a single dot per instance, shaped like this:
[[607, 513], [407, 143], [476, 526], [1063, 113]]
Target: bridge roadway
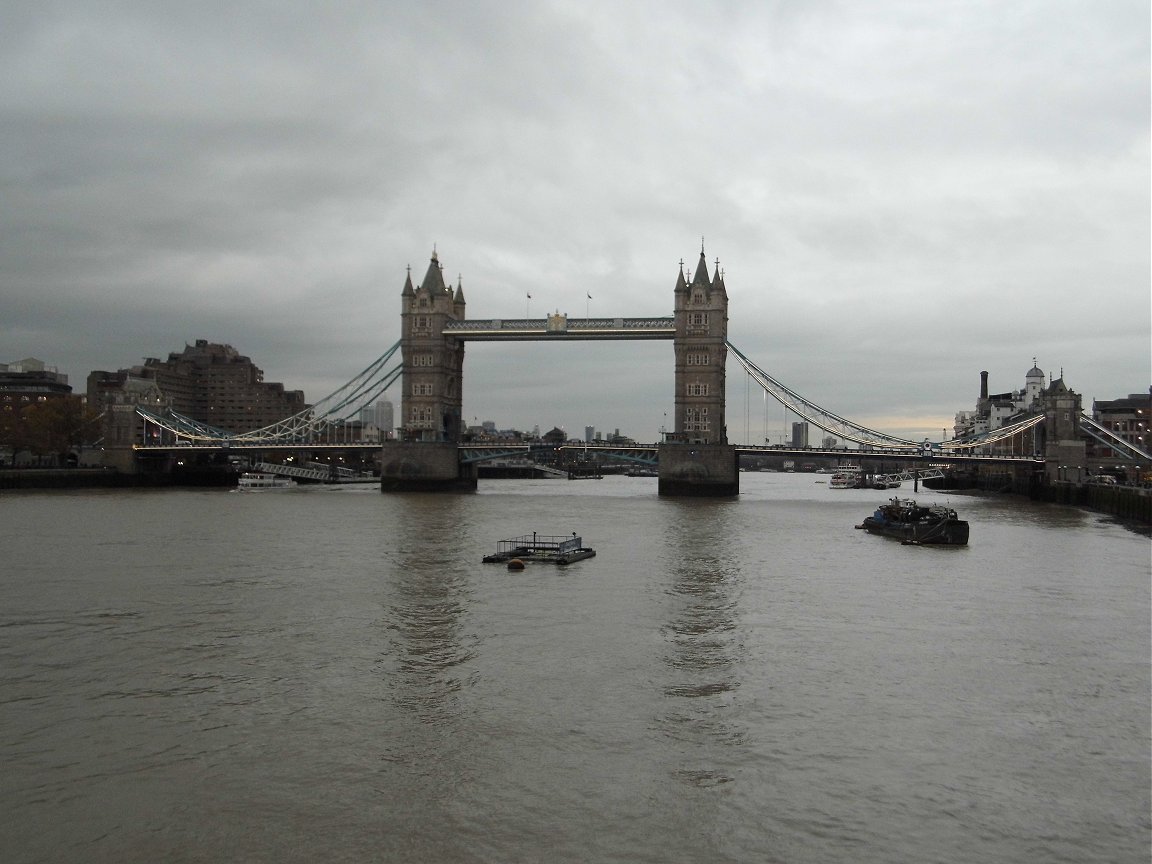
[[648, 453], [934, 455], [640, 453], [253, 447]]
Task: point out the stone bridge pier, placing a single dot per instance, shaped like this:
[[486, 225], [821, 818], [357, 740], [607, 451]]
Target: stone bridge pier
[[419, 466]]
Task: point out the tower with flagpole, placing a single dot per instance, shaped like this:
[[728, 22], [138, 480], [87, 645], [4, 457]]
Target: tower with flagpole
[[696, 458]]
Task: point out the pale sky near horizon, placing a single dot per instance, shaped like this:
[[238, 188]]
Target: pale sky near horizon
[[901, 194]]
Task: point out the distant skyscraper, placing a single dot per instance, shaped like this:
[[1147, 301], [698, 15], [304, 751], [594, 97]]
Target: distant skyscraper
[[799, 434], [384, 418], [589, 434]]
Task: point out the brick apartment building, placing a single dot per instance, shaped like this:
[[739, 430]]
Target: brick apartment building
[[208, 382]]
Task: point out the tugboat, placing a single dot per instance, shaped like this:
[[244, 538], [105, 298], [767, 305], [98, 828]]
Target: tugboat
[[910, 523], [536, 548]]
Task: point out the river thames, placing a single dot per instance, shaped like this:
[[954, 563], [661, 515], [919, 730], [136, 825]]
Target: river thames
[[333, 675]]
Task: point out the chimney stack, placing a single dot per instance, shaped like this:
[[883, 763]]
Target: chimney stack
[[984, 386]]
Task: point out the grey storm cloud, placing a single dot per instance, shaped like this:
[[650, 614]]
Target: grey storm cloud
[[900, 194]]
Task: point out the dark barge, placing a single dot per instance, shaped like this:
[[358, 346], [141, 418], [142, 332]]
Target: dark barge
[[539, 549], [908, 522]]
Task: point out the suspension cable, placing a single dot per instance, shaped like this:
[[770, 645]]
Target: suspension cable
[[817, 416]]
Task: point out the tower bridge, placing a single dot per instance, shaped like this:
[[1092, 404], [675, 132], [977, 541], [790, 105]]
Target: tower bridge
[[695, 458]]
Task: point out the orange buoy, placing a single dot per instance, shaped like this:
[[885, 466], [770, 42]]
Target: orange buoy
[[515, 564]]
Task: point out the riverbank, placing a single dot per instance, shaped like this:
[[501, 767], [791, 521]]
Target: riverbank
[[108, 478], [1129, 503]]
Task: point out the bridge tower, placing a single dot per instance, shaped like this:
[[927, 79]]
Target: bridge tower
[[701, 314], [424, 456], [696, 458], [1065, 453], [433, 364]]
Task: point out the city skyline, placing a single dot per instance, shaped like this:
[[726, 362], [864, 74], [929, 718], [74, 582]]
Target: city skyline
[[900, 199]]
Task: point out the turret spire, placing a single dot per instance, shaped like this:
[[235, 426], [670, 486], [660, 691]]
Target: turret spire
[[701, 277], [434, 279]]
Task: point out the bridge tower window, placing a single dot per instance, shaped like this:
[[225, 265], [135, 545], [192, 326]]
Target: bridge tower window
[[696, 420]]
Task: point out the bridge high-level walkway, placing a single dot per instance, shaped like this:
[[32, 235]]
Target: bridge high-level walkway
[[560, 327]]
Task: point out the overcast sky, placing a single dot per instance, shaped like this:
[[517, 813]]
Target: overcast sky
[[900, 194]]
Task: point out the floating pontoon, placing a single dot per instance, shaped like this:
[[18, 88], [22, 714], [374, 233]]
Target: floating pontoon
[[540, 549]]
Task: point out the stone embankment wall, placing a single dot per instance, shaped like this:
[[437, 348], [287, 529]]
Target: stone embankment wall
[[105, 478], [58, 478], [1131, 503], [1125, 502]]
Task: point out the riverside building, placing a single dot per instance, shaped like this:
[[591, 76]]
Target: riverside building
[[1127, 418], [24, 384], [209, 382], [996, 409]]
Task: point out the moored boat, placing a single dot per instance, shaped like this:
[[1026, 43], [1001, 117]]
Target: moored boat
[[845, 477], [259, 481], [908, 522]]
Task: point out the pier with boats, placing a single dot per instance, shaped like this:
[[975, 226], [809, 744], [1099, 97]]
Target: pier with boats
[[851, 476]]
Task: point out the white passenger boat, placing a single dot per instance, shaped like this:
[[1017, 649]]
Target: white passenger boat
[[257, 481], [846, 477]]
